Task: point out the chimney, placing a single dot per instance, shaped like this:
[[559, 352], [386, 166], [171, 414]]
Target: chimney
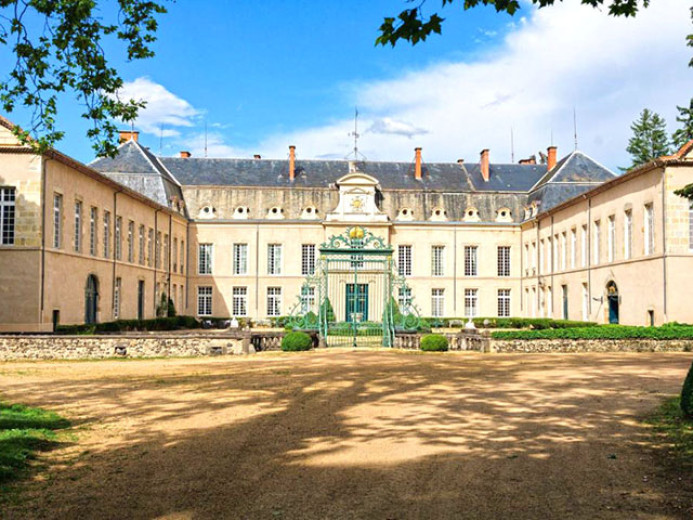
[[460, 161], [126, 135], [532, 159], [185, 154], [292, 162], [484, 164], [257, 156], [551, 161], [417, 169]]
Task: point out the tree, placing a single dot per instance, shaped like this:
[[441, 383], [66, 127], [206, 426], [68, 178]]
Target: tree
[[413, 26], [685, 133], [649, 139], [59, 47]]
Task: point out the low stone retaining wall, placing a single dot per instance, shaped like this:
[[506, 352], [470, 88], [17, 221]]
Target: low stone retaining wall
[[591, 345], [100, 347]]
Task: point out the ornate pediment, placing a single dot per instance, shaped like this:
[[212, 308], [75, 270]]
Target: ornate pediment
[[357, 199]]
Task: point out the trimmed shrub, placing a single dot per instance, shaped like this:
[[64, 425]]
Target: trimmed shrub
[[687, 395], [434, 343], [296, 341], [601, 332], [171, 323]]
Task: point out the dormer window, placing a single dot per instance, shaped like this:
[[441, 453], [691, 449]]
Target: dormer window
[[439, 214], [309, 213], [471, 214], [241, 213], [504, 215], [275, 213], [405, 214], [207, 212]]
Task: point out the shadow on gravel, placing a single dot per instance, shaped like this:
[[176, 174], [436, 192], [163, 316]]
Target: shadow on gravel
[[375, 435]]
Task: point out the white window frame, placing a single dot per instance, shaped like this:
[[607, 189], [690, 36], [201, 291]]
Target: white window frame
[[404, 299], [585, 249], [106, 234], [93, 230], [649, 238], [175, 254], [611, 238], [307, 299], [404, 255], [205, 259], [596, 241], [503, 303], [437, 260], [573, 248], [274, 301], [240, 258], [181, 264], [240, 301], [628, 234], [131, 241], [57, 220], [117, 297], [471, 260], [564, 251], [204, 300], [503, 261], [157, 251], [274, 259], [150, 247], [307, 259], [78, 226], [585, 303], [118, 238], [8, 197], [437, 303], [471, 303]]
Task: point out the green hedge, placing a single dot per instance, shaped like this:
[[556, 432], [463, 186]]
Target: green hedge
[[296, 341], [434, 343], [602, 332], [687, 395], [510, 323], [172, 323]]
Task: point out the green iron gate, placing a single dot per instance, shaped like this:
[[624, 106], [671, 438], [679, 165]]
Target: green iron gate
[[355, 297]]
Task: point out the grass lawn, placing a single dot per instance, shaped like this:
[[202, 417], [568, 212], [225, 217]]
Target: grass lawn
[[24, 431], [675, 432]]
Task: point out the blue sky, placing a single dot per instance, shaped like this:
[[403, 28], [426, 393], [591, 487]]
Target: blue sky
[[264, 75]]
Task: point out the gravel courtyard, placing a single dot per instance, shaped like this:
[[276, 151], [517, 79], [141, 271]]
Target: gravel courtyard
[[355, 435]]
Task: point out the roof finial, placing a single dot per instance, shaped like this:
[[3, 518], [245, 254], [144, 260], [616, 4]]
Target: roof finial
[[355, 134], [575, 127]]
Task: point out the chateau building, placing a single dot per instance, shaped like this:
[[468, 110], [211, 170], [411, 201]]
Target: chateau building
[[238, 237]]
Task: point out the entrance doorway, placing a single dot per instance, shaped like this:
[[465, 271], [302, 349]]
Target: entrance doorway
[[356, 302], [613, 299], [140, 299], [91, 299]]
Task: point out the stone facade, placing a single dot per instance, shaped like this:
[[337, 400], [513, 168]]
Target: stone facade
[[590, 345]]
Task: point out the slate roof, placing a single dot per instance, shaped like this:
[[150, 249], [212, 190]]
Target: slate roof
[[323, 173], [139, 169]]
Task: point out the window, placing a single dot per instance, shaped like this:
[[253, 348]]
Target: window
[[404, 260], [57, 219], [596, 230], [547, 267], [307, 259], [503, 260], [438, 303], [471, 303], [564, 293], [175, 255], [150, 248], [573, 248], [404, 299], [611, 238], [470, 261], [534, 256], [182, 256], [503, 303], [240, 259], [157, 250], [116, 298], [131, 241], [106, 234], [554, 258], [274, 259], [541, 255], [93, 222], [527, 261], [204, 258], [7, 211], [628, 234], [78, 226], [438, 260], [118, 237], [141, 248], [585, 303], [307, 299], [274, 301], [240, 301], [204, 301], [167, 254], [564, 251], [649, 229], [583, 240]]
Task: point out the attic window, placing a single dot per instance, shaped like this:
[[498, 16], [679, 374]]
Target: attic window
[[241, 212], [207, 212], [405, 214], [309, 212], [438, 214], [504, 215], [275, 213], [471, 214]]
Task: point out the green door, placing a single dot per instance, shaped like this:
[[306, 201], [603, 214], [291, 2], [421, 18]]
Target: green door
[[356, 301]]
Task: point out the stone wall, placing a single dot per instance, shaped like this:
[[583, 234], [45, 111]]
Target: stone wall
[[591, 345], [101, 347]]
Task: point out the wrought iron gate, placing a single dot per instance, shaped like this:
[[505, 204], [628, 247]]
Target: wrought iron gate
[[355, 297]]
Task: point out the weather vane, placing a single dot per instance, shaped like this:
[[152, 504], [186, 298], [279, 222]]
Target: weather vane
[[355, 134]]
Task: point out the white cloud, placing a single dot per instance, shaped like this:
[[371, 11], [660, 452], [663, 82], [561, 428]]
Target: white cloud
[[554, 59], [387, 125], [163, 110]]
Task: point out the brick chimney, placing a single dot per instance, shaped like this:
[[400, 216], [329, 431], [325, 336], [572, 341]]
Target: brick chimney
[[417, 168], [292, 162], [257, 156], [484, 164], [532, 159], [126, 135], [185, 154], [551, 158]]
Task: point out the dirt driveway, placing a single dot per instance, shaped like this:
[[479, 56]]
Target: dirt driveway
[[362, 435]]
